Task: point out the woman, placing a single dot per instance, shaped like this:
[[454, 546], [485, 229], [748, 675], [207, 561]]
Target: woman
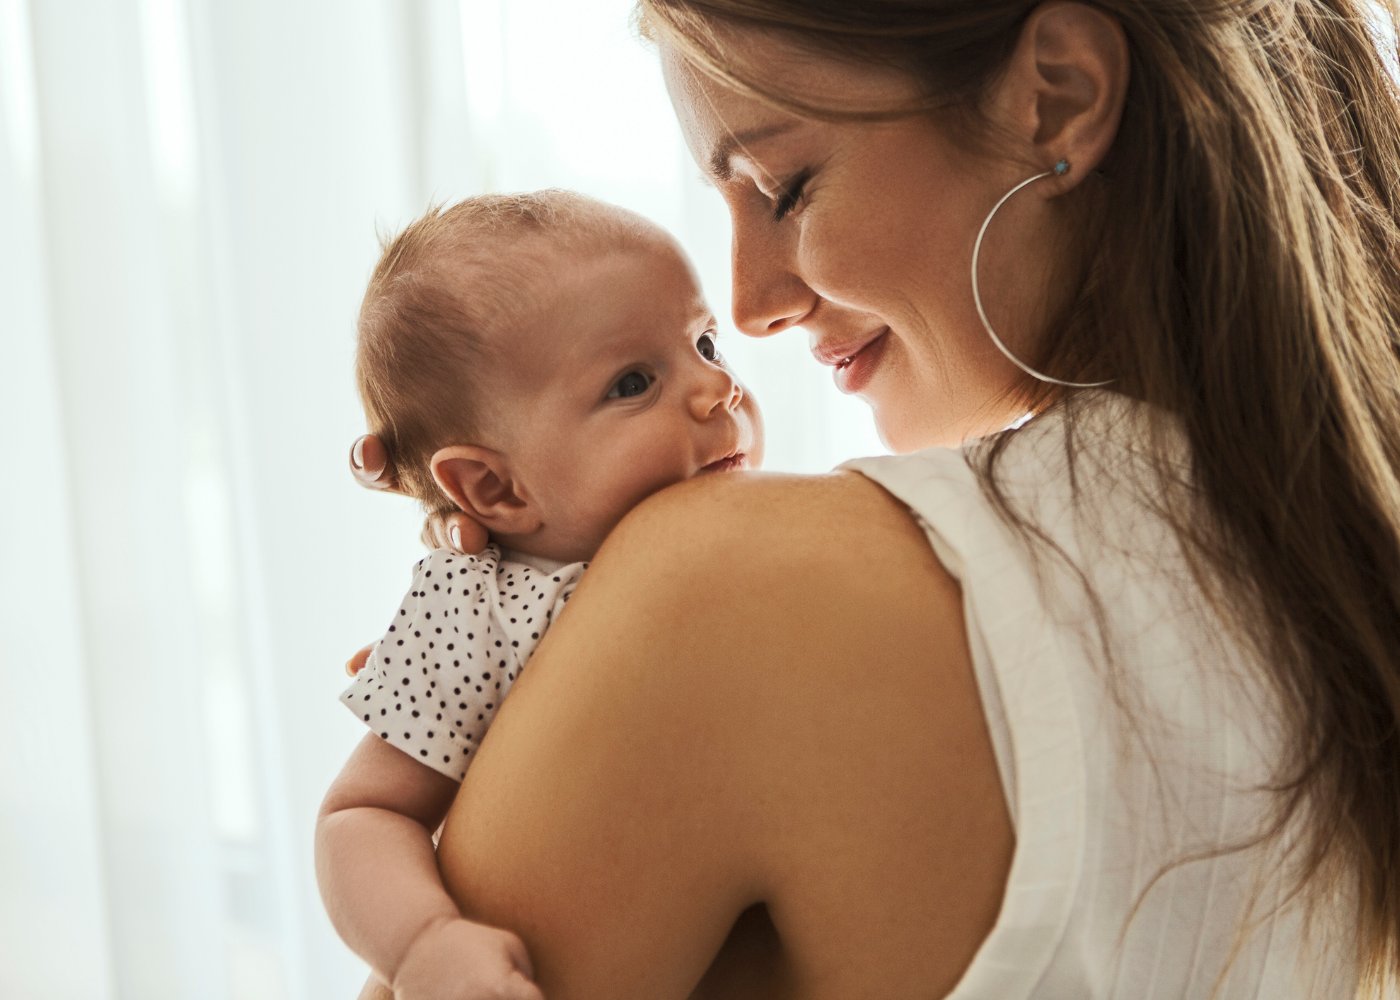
[[1108, 705]]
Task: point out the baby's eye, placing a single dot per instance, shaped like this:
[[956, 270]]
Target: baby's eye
[[631, 384], [708, 348]]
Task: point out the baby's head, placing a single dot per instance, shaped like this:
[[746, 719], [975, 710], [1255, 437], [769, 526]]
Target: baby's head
[[544, 362]]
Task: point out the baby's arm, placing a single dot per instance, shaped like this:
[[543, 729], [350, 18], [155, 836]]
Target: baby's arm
[[379, 879]]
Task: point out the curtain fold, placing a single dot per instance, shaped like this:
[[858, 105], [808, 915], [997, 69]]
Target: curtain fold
[[189, 199]]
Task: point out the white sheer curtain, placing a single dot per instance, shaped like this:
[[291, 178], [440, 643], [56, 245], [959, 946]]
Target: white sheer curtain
[[189, 192]]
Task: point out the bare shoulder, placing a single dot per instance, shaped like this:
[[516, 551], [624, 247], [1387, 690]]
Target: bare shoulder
[[885, 825], [816, 574], [778, 658], [773, 524]]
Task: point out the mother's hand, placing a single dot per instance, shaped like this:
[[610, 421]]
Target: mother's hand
[[371, 466], [373, 469]]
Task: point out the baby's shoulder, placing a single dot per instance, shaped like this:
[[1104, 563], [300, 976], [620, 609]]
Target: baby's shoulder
[[443, 571], [455, 646], [444, 565], [488, 589]]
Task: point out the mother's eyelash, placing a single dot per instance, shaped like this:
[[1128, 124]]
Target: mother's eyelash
[[788, 200]]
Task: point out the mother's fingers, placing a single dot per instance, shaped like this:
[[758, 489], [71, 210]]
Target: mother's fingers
[[456, 531], [520, 985], [520, 988], [375, 990], [371, 466], [357, 662], [518, 955], [374, 469]]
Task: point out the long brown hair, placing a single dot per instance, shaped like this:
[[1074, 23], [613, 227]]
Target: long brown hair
[[1241, 270]]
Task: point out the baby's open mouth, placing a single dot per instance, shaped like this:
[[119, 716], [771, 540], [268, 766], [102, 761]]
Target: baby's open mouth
[[730, 464]]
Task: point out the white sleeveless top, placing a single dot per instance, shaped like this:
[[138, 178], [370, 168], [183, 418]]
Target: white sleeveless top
[[1104, 800]]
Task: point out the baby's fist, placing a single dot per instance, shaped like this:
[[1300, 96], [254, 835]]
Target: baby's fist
[[461, 960]]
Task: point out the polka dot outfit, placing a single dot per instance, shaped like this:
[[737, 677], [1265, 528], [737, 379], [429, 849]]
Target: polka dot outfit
[[457, 644]]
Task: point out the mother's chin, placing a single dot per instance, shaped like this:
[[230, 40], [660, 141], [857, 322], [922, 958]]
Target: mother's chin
[[911, 415]]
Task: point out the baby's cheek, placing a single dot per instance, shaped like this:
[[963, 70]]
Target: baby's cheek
[[638, 474], [755, 417], [616, 505]]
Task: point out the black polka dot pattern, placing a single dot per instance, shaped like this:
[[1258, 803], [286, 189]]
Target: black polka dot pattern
[[453, 650]]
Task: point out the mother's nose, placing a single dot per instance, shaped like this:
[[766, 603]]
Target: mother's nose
[[769, 295]]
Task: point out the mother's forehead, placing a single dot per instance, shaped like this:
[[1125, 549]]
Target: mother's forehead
[[775, 62]]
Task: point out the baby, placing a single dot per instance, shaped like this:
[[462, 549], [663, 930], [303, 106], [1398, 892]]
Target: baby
[[541, 363]]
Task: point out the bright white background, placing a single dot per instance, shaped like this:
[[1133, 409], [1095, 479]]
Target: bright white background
[[189, 193]]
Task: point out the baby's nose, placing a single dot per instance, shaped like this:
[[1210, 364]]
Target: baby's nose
[[735, 395], [717, 392]]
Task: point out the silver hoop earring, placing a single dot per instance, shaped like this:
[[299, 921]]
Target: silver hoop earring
[[1059, 170]]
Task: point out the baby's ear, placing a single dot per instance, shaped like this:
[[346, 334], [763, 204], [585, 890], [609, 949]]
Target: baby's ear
[[480, 483]]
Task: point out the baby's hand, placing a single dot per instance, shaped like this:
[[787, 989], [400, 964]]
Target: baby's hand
[[461, 960]]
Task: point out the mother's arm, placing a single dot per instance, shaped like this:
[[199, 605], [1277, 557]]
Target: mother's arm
[[729, 703]]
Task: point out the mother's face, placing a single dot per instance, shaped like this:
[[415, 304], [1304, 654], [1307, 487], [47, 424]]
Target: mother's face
[[862, 235]]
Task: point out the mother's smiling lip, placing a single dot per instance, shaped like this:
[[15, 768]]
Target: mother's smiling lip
[[838, 354]]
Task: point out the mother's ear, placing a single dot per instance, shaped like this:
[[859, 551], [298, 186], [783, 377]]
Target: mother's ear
[[480, 483], [1066, 84]]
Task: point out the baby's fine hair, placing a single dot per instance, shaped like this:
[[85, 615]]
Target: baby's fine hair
[[444, 282]]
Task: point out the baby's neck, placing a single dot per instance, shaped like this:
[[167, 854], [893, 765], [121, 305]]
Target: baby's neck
[[543, 563]]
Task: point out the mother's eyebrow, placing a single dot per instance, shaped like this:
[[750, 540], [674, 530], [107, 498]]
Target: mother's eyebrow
[[737, 142]]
